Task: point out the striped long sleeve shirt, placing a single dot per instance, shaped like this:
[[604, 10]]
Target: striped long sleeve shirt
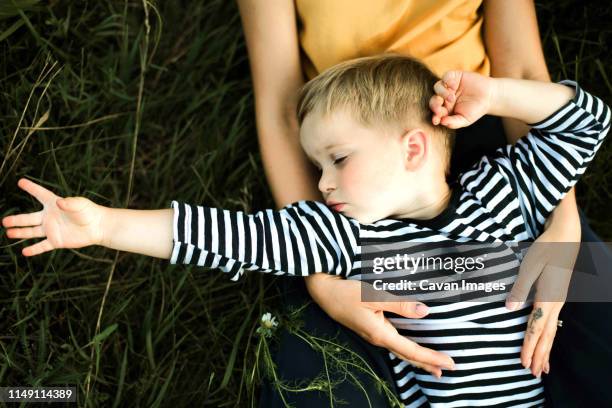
[[515, 190], [505, 197]]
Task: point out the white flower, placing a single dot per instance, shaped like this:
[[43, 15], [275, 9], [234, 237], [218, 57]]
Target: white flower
[[268, 321], [267, 325]]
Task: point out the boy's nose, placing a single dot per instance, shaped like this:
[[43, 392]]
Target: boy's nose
[[326, 185]]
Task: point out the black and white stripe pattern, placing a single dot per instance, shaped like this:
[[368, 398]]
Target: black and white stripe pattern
[[504, 198], [300, 240]]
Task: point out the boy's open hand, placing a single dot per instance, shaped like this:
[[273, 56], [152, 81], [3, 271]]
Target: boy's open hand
[[461, 98], [72, 222]]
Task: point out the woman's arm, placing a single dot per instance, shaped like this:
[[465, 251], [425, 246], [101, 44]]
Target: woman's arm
[[514, 50], [512, 40], [270, 29]]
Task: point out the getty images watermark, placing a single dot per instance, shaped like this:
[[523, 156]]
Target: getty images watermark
[[450, 271]]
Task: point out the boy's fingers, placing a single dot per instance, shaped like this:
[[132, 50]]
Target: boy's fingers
[[435, 103], [39, 248], [441, 90], [29, 232], [454, 121], [23, 220], [39, 192], [451, 80]]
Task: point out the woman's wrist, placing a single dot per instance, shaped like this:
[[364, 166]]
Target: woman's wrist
[[565, 219], [317, 286]]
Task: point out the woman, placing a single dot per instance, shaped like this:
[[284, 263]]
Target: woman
[[288, 41]]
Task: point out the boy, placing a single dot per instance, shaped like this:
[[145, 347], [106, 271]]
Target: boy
[[366, 125]]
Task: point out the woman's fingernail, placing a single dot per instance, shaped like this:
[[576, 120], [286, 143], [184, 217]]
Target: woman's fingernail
[[512, 305], [527, 363], [421, 309]]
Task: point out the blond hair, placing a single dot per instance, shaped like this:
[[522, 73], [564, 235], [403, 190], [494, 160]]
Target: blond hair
[[378, 90]]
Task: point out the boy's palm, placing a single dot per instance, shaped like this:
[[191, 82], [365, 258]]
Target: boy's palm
[[72, 222], [460, 99]]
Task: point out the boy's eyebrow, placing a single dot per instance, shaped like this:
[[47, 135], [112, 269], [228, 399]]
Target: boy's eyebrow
[[328, 147], [331, 145]]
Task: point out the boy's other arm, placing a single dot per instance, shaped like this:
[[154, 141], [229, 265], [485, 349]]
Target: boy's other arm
[[528, 101]]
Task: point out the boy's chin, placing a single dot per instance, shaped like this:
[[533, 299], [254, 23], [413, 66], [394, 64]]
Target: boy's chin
[[364, 218]]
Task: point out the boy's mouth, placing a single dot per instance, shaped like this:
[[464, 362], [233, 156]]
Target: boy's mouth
[[335, 206]]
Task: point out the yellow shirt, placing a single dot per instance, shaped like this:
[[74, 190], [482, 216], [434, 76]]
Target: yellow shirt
[[444, 34]]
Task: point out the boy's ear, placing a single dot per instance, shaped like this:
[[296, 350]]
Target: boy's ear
[[414, 146]]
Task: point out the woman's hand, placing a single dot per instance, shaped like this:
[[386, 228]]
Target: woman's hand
[[341, 300], [72, 222], [461, 98], [549, 261]]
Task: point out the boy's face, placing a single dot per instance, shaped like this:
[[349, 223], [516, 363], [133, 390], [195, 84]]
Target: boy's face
[[363, 169]]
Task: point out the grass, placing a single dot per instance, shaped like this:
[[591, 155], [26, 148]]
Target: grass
[[133, 104]]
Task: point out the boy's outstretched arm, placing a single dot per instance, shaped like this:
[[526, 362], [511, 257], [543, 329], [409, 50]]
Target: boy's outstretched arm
[[145, 232], [300, 239], [76, 222]]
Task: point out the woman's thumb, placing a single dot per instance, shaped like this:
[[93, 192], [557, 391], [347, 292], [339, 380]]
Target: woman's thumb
[[407, 309]]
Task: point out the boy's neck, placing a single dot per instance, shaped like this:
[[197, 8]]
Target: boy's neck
[[430, 203]]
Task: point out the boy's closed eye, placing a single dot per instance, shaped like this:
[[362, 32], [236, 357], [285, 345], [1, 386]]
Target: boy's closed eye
[[339, 160]]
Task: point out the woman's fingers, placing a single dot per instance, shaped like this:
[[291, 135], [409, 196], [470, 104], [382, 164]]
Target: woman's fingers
[[433, 370], [529, 271], [409, 350], [38, 248], [39, 192], [542, 350], [535, 326], [541, 330], [28, 232], [409, 309], [23, 220]]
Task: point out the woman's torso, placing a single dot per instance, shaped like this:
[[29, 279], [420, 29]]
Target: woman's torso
[[445, 34]]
